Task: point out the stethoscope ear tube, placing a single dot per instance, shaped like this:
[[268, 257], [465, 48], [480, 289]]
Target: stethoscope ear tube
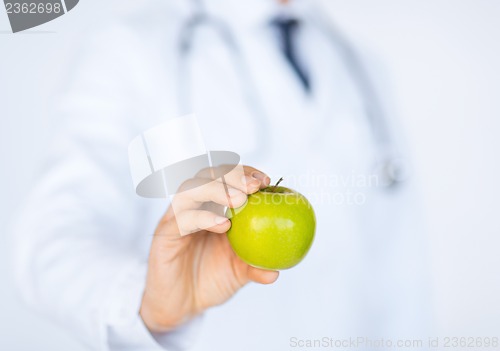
[[187, 35], [391, 168]]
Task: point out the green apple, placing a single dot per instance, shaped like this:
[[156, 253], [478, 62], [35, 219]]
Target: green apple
[[274, 229]]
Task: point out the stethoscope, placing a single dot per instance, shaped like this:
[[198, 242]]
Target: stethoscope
[[389, 167]]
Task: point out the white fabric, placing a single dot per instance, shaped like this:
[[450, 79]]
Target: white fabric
[[83, 237]]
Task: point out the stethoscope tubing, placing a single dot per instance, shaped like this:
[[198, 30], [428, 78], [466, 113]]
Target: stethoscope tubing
[[387, 163]]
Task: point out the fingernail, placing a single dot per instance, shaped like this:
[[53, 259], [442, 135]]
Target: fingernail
[[246, 180], [261, 177], [258, 176], [220, 220]]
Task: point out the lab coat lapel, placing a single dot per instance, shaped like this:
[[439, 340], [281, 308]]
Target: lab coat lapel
[[287, 107]]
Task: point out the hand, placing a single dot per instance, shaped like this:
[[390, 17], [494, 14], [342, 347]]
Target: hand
[[189, 273]]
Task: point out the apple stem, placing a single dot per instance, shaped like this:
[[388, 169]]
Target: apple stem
[[277, 183]]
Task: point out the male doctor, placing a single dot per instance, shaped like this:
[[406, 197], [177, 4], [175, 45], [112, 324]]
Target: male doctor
[[113, 269]]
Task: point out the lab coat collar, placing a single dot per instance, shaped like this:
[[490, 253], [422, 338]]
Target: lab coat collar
[[256, 13]]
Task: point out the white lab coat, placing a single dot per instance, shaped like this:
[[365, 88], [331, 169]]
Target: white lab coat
[[83, 236]]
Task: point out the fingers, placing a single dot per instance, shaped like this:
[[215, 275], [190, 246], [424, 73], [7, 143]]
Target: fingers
[[200, 192], [225, 185], [262, 276], [196, 220], [244, 178], [192, 221], [200, 199]]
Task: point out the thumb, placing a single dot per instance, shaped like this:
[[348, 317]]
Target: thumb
[[262, 276]]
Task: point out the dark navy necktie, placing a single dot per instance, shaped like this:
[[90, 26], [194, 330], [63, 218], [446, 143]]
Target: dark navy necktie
[[287, 28]]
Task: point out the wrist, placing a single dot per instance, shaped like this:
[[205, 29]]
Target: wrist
[[151, 316], [156, 318]]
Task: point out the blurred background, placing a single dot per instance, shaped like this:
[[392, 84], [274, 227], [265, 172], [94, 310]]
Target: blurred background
[[443, 63]]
